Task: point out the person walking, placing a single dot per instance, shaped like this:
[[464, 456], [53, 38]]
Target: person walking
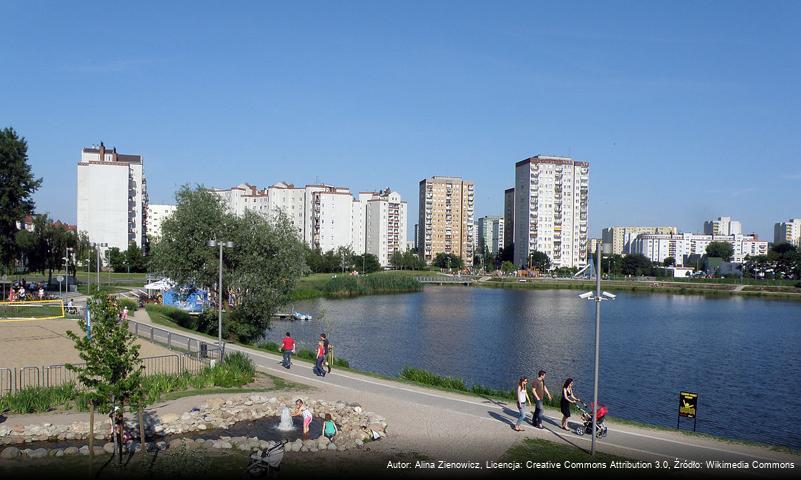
[[287, 348], [539, 390], [125, 314], [326, 346], [567, 400], [318, 366], [522, 398]]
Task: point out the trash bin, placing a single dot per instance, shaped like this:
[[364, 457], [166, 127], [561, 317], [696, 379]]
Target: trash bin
[[204, 350]]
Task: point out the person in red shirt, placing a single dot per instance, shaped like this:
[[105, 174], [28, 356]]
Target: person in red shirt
[[288, 348]]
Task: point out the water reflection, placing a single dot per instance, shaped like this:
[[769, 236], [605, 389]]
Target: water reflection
[[737, 353]]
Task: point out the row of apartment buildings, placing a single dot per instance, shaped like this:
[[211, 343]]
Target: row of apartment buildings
[[329, 217]]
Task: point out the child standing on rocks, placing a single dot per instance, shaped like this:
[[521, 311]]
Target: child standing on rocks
[[303, 410]]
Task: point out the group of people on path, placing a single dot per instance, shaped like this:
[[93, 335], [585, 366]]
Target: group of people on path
[[539, 391], [323, 354]]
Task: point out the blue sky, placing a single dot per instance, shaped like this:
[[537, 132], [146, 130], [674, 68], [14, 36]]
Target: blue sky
[[685, 110]]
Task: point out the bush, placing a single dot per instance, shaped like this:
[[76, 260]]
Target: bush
[[132, 305]]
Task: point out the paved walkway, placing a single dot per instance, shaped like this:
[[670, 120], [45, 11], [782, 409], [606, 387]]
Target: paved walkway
[[449, 426]]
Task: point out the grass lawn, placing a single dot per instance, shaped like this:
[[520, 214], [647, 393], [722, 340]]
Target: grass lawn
[[543, 451]]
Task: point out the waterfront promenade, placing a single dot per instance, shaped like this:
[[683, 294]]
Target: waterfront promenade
[[450, 426]]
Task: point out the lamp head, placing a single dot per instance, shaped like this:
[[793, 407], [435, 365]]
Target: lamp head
[[585, 296], [212, 243]]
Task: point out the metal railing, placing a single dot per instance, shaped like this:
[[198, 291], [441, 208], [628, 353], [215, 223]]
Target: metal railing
[[178, 342], [15, 379]]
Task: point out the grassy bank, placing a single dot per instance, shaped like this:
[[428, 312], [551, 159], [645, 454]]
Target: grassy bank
[[545, 451], [338, 286], [658, 286], [301, 354], [176, 318], [238, 370]]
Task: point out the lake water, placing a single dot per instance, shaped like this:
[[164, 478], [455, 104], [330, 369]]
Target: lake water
[[743, 356]]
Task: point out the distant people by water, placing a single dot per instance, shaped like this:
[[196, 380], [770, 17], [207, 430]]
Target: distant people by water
[[522, 398], [567, 400], [539, 390], [318, 365], [287, 348], [326, 347]]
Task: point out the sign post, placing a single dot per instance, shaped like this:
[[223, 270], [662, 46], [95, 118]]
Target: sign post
[[60, 279], [688, 407]]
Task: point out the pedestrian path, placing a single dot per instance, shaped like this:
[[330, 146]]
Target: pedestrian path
[[492, 418]]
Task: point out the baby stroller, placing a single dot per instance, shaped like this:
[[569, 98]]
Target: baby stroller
[[586, 418], [267, 461]]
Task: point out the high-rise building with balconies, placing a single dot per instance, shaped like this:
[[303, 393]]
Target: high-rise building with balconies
[[446, 218], [551, 210], [112, 197]]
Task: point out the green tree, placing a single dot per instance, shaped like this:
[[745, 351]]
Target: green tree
[[637, 264], [367, 263], [261, 269], [722, 250], [112, 369], [135, 260], [540, 261], [612, 264], [17, 186], [116, 259], [508, 267], [669, 262], [447, 260]]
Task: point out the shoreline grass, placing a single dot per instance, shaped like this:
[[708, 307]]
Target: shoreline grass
[[707, 290], [344, 285], [238, 370]]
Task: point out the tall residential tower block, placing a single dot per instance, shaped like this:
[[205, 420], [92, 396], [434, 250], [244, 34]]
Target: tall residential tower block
[[551, 210]]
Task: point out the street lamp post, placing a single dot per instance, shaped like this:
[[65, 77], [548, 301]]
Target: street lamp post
[[97, 251], [221, 244], [597, 296]]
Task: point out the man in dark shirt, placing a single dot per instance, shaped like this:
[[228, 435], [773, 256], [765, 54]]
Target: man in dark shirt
[[539, 390]]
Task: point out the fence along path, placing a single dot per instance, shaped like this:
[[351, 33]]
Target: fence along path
[[191, 356]]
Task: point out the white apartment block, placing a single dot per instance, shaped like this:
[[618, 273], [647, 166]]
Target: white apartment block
[[658, 247], [243, 197], [723, 226], [156, 214], [446, 218], [489, 234], [551, 210], [112, 197], [332, 214], [788, 232], [328, 217], [386, 226], [291, 201], [617, 240]]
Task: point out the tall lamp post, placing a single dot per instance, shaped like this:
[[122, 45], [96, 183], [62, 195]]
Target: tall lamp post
[[97, 251], [597, 296], [221, 244]]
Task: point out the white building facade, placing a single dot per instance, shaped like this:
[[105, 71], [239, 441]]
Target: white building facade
[[386, 226], [788, 232], [617, 240], [112, 197], [329, 217], [723, 226], [658, 247], [551, 210], [490, 234], [156, 214]]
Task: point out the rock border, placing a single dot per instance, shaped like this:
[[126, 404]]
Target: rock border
[[355, 428]]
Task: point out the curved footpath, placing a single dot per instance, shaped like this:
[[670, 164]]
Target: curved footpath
[[430, 424], [453, 427]]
